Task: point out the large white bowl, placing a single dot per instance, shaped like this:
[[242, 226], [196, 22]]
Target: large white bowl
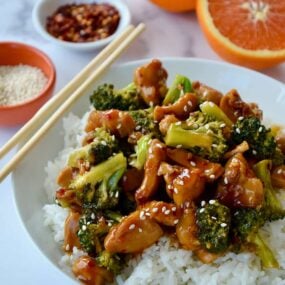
[[45, 8], [28, 178]]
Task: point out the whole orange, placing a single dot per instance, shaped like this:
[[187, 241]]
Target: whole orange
[[176, 5]]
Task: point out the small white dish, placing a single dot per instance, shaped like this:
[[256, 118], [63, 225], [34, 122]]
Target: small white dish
[[29, 176], [45, 8]]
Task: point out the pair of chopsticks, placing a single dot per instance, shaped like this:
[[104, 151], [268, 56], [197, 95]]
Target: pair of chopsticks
[[64, 99]]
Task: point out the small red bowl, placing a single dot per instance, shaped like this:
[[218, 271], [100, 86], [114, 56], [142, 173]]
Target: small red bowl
[[12, 53]]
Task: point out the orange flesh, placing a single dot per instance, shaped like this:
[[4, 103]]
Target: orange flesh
[[263, 21]]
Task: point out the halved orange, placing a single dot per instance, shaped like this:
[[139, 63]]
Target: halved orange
[[176, 5], [246, 32]]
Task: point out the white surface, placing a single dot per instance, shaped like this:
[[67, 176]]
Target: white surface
[[45, 8], [166, 35]]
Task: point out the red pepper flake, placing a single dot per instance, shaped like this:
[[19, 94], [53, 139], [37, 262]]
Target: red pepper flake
[[83, 22]]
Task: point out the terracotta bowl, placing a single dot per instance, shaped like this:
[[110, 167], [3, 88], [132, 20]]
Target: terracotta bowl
[[12, 53]]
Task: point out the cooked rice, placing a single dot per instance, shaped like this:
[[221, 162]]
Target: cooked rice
[[164, 263]]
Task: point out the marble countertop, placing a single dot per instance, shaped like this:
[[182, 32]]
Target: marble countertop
[[166, 35]]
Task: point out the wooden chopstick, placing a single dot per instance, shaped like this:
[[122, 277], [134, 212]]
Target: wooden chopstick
[[70, 101], [53, 104]]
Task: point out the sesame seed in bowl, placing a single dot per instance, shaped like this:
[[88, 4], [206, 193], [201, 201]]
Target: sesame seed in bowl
[[27, 79]]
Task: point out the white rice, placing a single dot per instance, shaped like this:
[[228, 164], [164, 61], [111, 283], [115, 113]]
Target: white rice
[[164, 263]]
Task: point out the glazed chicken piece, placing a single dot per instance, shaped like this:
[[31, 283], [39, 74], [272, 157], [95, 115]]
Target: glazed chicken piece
[[206, 93], [132, 179], [133, 234], [240, 187], [71, 228], [166, 122], [206, 256], [278, 177], [186, 230], [280, 140], [183, 185], [87, 271], [68, 198], [117, 122], [234, 107], [65, 176], [151, 81], [156, 154], [167, 214], [210, 170], [241, 148], [181, 108]]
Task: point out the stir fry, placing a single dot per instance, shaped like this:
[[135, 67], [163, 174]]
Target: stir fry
[[184, 161]]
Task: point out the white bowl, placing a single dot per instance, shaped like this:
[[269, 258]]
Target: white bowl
[[44, 8], [29, 176]]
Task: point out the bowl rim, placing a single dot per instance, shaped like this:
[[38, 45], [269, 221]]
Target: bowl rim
[[118, 4], [51, 78]]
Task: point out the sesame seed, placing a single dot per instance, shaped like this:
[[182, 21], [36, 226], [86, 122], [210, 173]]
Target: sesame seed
[[173, 209], [147, 214], [185, 108], [154, 210], [254, 152], [207, 127], [159, 145], [187, 204], [147, 209], [92, 216], [120, 114], [163, 209], [110, 224], [279, 171], [212, 202], [212, 176], [236, 113], [203, 203], [103, 143], [119, 126], [141, 214], [240, 118], [169, 186], [260, 129], [214, 145], [132, 226], [179, 146], [202, 210], [238, 130], [223, 225], [84, 228], [67, 247], [180, 182], [223, 125], [178, 123], [226, 181], [214, 218], [140, 230], [176, 222], [193, 163], [167, 212], [151, 104], [117, 194], [190, 103], [211, 104], [207, 171], [175, 190], [137, 128]]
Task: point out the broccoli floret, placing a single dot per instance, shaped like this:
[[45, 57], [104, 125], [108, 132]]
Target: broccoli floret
[[94, 225], [144, 121], [105, 97], [141, 152], [180, 86], [272, 205], [261, 142], [100, 172], [113, 262], [201, 134], [102, 147], [245, 224], [92, 228], [213, 220]]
